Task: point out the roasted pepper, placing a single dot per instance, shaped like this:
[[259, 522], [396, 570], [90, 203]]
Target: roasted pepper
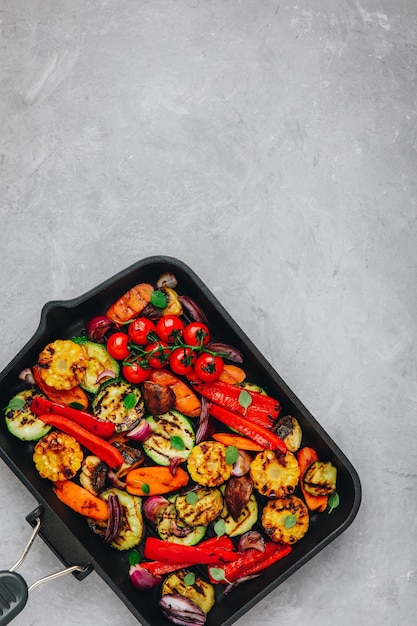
[[261, 435], [252, 561], [41, 406], [159, 550], [101, 448], [262, 409]]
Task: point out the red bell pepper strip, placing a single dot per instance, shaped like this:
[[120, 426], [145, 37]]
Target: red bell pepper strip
[[167, 552], [263, 409], [101, 448], [41, 406], [261, 435], [253, 561]]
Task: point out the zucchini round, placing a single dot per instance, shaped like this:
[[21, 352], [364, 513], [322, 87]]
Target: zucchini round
[[171, 528], [246, 520], [119, 402], [20, 420], [98, 361], [172, 437]]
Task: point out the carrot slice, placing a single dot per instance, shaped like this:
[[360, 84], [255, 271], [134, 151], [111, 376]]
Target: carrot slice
[[186, 400], [131, 303], [232, 374], [155, 480], [305, 457], [76, 395], [81, 500], [240, 442]]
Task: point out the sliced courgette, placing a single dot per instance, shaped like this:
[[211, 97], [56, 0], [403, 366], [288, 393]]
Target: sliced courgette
[[246, 520], [192, 587], [199, 506], [171, 528], [119, 402], [131, 524], [20, 420], [172, 437], [98, 361]]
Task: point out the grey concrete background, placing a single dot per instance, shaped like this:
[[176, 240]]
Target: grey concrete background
[[272, 147]]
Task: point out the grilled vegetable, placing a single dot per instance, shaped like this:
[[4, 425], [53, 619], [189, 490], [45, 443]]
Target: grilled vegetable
[[132, 458], [57, 456], [158, 399], [289, 430], [81, 500], [74, 396], [171, 528], [181, 611], [62, 364], [187, 585], [156, 549], [275, 475], [21, 421], [237, 494], [243, 443], [155, 480], [131, 303], [173, 305], [98, 361], [119, 402], [186, 400], [305, 457], [285, 520], [93, 474], [246, 520], [207, 464], [131, 524], [200, 506], [320, 479], [172, 436]]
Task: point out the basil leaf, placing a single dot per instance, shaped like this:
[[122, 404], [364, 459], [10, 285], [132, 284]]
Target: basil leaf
[[80, 340], [191, 497], [130, 401], [220, 527], [245, 399], [76, 405], [333, 501], [159, 299], [134, 557], [217, 573], [176, 442], [189, 579], [290, 521], [15, 404], [146, 489], [232, 455]]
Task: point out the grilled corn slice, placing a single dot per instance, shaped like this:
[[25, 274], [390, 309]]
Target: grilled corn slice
[[285, 520], [275, 475], [207, 464], [63, 364], [57, 456]]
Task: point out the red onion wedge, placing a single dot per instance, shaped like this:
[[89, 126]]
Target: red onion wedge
[[105, 375], [98, 326], [251, 539], [141, 432], [237, 582], [115, 518], [226, 350], [153, 506], [181, 610], [205, 425], [142, 579], [193, 309]]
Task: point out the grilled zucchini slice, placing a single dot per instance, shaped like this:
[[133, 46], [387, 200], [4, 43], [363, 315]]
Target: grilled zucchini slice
[[119, 402], [197, 590], [171, 528], [98, 361], [57, 456], [289, 430], [205, 506], [246, 520], [207, 464], [20, 420], [273, 474], [131, 525], [62, 364], [320, 479], [172, 436], [285, 520]]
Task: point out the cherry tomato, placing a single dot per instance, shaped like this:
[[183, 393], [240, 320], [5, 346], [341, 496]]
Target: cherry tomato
[[117, 346], [196, 334], [208, 367], [182, 360], [169, 328], [160, 355], [135, 372], [139, 329]]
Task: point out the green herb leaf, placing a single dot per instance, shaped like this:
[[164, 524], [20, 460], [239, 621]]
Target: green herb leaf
[[191, 497], [189, 579], [290, 521], [146, 489], [76, 405], [333, 501], [15, 404], [245, 399], [220, 527], [217, 573], [130, 401], [134, 557], [232, 455], [176, 442], [81, 339], [159, 299]]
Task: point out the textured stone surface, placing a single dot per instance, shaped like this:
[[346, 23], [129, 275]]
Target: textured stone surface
[[272, 147]]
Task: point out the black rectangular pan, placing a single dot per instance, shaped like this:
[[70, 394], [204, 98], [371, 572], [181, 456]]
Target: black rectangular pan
[[66, 532]]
